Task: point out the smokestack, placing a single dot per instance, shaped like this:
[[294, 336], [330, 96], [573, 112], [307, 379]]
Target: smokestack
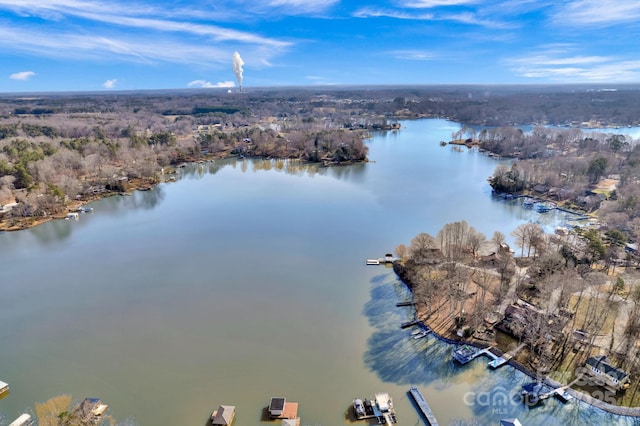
[[237, 68]]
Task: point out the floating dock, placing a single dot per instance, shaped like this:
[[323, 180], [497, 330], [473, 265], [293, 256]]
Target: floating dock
[[423, 406], [23, 420]]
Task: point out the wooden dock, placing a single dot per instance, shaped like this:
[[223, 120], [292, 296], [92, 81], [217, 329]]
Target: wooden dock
[[409, 323], [505, 358], [387, 259], [496, 361], [423, 406]]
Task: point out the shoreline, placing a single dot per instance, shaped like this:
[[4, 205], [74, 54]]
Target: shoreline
[[581, 396], [138, 184]]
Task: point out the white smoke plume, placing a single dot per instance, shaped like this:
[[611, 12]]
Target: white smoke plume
[[237, 68]]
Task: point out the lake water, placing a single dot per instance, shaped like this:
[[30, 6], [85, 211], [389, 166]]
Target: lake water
[[245, 280]]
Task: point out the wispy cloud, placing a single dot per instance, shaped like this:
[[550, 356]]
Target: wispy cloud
[[110, 84], [387, 13], [141, 49], [111, 33], [302, 6], [467, 17], [414, 55], [22, 75], [598, 12], [208, 84], [427, 4], [560, 63]]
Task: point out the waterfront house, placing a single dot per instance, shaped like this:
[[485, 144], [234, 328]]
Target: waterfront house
[[600, 370], [223, 416]]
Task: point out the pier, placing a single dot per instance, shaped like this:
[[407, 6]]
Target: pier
[[4, 389], [505, 358], [496, 361], [409, 324], [388, 258], [423, 406]]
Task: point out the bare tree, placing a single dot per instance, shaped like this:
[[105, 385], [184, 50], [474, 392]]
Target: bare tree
[[420, 247]]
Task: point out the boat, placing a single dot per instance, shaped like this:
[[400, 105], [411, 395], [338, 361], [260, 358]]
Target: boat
[[528, 203], [4, 388], [23, 420], [422, 334], [380, 408], [385, 406], [464, 354], [373, 262], [358, 408], [563, 395]]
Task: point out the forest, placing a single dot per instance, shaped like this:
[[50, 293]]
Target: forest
[[61, 149]]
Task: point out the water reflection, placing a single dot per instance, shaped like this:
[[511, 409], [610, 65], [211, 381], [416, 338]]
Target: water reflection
[[56, 230], [396, 357], [354, 172]]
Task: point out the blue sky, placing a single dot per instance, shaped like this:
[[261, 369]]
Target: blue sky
[[61, 45]]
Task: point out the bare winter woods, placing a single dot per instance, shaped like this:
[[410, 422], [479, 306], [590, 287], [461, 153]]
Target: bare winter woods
[[565, 297]]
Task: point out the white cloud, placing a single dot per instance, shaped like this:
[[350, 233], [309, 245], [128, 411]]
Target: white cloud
[[208, 84], [559, 63], [138, 17], [598, 12], [425, 4], [462, 17], [380, 13], [138, 49], [303, 6], [414, 55], [22, 75], [110, 84]]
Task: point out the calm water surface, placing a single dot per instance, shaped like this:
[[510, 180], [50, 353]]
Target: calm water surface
[[246, 280]]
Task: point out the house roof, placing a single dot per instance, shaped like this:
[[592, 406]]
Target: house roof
[[224, 415], [602, 363]]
